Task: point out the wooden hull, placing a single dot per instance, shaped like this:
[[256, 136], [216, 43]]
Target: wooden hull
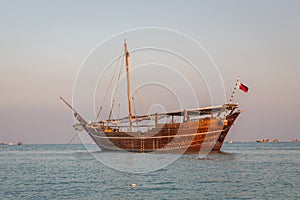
[[221, 139], [194, 133], [201, 136]]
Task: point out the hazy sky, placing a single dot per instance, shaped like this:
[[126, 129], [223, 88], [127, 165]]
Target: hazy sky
[[44, 42]]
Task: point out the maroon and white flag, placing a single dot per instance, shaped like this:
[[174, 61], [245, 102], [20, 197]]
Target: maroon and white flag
[[243, 87]]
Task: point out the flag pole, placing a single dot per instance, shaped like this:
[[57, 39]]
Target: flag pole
[[234, 89]]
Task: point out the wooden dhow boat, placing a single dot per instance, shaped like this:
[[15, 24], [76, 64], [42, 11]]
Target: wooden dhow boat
[[199, 130]]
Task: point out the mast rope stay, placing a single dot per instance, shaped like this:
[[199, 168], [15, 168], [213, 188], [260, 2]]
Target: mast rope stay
[[109, 85], [117, 88], [115, 101], [140, 95], [134, 110]]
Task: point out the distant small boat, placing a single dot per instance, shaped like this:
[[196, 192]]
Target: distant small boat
[[276, 140], [263, 140], [10, 144], [20, 143], [230, 142], [295, 140]]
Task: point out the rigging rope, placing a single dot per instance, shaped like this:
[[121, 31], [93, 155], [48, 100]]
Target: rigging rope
[[140, 95], [119, 110], [106, 93], [70, 141], [117, 87], [119, 93], [134, 110], [110, 113]]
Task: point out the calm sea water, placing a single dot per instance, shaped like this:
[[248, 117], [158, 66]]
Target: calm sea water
[[244, 171]]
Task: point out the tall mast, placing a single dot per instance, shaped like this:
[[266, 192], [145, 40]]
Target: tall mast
[[127, 56]]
